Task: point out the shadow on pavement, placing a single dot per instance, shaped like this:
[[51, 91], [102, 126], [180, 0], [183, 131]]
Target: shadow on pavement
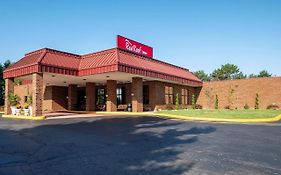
[[144, 145]]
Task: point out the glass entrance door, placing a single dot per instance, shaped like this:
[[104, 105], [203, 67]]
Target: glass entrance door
[[100, 99]]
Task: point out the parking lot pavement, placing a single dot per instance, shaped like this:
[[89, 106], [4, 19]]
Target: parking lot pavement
[[137, 145]]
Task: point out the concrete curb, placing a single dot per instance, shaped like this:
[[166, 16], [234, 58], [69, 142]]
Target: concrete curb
[[24, 117], [125, 113], [260, 120]]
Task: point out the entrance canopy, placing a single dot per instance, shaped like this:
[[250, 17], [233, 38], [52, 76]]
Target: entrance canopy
[[98, 67]]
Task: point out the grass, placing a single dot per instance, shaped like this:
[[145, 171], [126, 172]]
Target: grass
[[225, 114]]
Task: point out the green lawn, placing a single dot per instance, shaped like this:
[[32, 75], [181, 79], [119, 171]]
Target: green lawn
[[226, 114]]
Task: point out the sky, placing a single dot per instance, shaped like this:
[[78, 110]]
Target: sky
[[195, 34]]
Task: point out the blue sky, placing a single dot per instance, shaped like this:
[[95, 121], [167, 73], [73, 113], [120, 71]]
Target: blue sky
[[198, 34]]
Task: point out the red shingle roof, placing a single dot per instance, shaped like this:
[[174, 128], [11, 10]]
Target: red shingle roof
[[49, 60]]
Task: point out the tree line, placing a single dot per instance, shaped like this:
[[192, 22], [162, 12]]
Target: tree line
[[228, 72]]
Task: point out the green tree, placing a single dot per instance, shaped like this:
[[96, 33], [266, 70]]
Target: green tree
[[227, 72], [264, 73], [2, 82], [252, 76], [202, 75]]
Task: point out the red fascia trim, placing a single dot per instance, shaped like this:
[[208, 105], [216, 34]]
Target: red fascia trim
[[154, 72], [149, 73], [98, 70], [58, 70], [21, 71]]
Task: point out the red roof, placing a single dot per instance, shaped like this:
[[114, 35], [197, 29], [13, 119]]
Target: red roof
[[49, 60]]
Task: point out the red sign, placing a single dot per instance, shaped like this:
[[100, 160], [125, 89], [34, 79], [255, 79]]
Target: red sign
[[133, 46]]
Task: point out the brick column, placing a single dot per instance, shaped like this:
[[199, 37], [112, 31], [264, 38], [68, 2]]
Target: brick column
[[72, 96], [137, 91], [111, 100], [37, 94], [128, 93], [90, 97], [9, 88]]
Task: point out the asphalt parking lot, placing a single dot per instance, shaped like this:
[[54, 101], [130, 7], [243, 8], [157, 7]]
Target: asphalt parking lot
[[137, 145]]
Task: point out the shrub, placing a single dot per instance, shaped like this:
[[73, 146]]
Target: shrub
[[25, 105], [193, 103], [17, 82], [216, 102], [29, 100], [227, 107], [273, 106], [13, 99], [246, 106], [169, 107], [18, 106], [177, 102], [257, 101]]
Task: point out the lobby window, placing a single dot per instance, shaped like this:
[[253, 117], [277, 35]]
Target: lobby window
[[184, 96], [169, 95], [120, 92], [145, 94], [100, 96]]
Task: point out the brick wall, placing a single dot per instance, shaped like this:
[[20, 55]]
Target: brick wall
[[22, 91], [55, 96], [47, 96], [237, 93], [59, 94]]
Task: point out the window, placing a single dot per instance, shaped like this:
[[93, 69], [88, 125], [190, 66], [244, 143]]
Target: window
[[145, 94], [121, 95], [169, 96], [184, 98]]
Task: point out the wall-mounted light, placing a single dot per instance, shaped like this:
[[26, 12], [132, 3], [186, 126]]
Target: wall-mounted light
[[106, 95], [64, 82], [132, 94], [53, 75], [66, 97], [84, 79], [85, 96]]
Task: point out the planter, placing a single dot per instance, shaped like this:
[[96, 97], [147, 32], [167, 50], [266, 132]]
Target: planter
[[17, 112], [30, 110], [26, 112], [13, 110]]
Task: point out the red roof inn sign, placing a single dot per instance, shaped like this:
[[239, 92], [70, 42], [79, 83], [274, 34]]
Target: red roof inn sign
[[133, 46]]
